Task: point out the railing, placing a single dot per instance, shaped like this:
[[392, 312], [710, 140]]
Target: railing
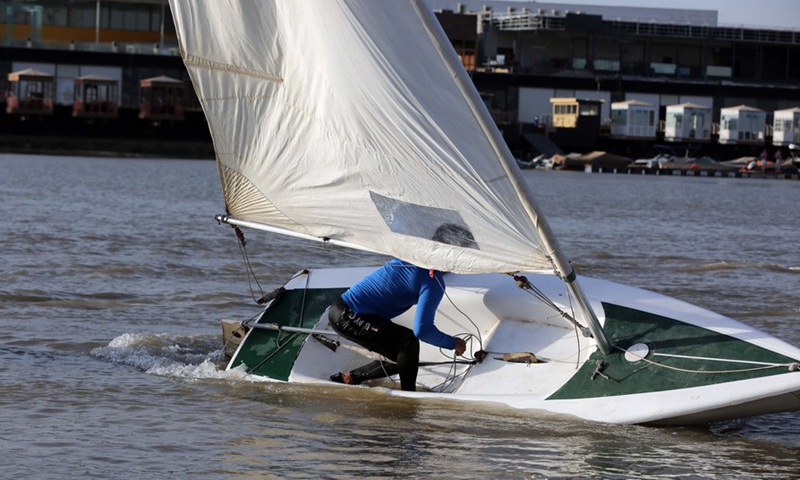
[[535, 21], [107, 47], [527, 21], [741, 33]]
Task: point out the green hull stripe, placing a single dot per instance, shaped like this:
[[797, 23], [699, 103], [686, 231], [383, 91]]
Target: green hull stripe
[[626, 327], [272, 354]]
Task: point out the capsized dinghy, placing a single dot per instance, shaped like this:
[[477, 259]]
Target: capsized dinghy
[[354, 123]]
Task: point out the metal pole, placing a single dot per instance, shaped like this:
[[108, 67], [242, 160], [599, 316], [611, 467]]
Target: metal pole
[[163, 8], [277, 328], [290, 233], [97, 23], [9, 24]]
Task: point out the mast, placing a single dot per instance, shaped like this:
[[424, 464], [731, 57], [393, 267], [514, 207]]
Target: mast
[[523, 190]]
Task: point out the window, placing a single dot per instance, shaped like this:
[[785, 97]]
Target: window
[[55, 16], [675, 120], [129, 20], [637, 117], [105, 16], [118, 17], [82, 17], [619, 117], [698, 120], [143, 19], [155, 20]]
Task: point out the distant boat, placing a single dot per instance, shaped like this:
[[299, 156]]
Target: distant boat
[[354, 123]]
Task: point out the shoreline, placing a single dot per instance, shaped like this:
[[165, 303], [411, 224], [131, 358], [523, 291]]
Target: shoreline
[[106, 147], [204, 150]]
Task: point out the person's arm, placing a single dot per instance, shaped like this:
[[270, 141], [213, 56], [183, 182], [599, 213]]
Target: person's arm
[[424, 327]]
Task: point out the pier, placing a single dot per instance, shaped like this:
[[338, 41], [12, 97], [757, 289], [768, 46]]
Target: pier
[[685, 172]]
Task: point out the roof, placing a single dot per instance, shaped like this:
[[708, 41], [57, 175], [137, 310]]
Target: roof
[[632, 103], [688, 105], [744, 108], [575, 100], [28, 72], [789, 110], [160, 79], [94, 78]]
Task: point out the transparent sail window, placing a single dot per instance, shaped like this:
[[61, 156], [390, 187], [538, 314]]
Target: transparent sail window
[[431, 223]]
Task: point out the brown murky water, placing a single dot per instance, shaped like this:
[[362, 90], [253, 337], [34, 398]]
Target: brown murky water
[[115, 276]]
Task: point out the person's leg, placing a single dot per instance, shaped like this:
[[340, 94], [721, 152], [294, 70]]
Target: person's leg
[[373, 370], [398, 343], [395, 342]]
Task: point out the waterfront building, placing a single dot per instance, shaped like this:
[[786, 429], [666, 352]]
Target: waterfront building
[[786, 127], [122, 40], [662, 56], [519, 54], [742, 125], [634, 119], [162, 98], [688, 121], [95, 96], [575, 121], [30, 92]]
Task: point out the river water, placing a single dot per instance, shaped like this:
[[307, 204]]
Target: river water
[[115, 277]]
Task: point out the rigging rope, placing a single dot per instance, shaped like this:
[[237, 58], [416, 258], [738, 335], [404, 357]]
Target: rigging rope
[[524, 284], [793, 366], [248, 266]]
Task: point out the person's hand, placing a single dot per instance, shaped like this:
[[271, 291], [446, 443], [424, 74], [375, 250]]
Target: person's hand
[[461, 346]]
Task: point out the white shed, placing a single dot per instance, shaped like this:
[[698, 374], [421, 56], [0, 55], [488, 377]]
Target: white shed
[[786, 127], [742, 125], [688, 121], [634, 119]]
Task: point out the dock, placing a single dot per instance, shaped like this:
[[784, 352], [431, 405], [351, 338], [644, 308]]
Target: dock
[[685, 172]]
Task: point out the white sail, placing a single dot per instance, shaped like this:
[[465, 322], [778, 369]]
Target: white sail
[[345, 119]]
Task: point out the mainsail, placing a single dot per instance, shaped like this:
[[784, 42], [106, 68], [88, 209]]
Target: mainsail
[[345, 119]]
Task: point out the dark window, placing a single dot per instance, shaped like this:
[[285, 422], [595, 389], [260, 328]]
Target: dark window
[[56, 16], [155, 19], [143, 19], [117, 17]]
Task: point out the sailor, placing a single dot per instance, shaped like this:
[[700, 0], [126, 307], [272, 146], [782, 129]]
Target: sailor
[[363, 315]]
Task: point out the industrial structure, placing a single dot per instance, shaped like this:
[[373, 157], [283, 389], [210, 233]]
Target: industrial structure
[[520, 55]]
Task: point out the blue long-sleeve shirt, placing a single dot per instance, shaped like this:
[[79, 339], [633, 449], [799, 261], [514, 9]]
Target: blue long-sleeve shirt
[[396, 287]]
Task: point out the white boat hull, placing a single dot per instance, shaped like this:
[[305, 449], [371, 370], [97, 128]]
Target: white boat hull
[[754, 373]]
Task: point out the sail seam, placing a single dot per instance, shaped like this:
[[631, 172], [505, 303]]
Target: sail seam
[[196, 61], [236, 97]]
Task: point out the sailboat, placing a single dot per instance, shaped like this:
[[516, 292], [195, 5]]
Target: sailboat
[[353, 123]]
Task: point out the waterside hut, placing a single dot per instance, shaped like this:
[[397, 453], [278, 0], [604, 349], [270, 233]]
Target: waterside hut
[[30, 92], [162, 98], [742, 125], [576, 121], [688, 122], [95, 97], [786, 127], [633, 119]]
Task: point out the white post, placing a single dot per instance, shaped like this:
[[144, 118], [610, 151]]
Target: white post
[[163, 8], [97, 23]]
